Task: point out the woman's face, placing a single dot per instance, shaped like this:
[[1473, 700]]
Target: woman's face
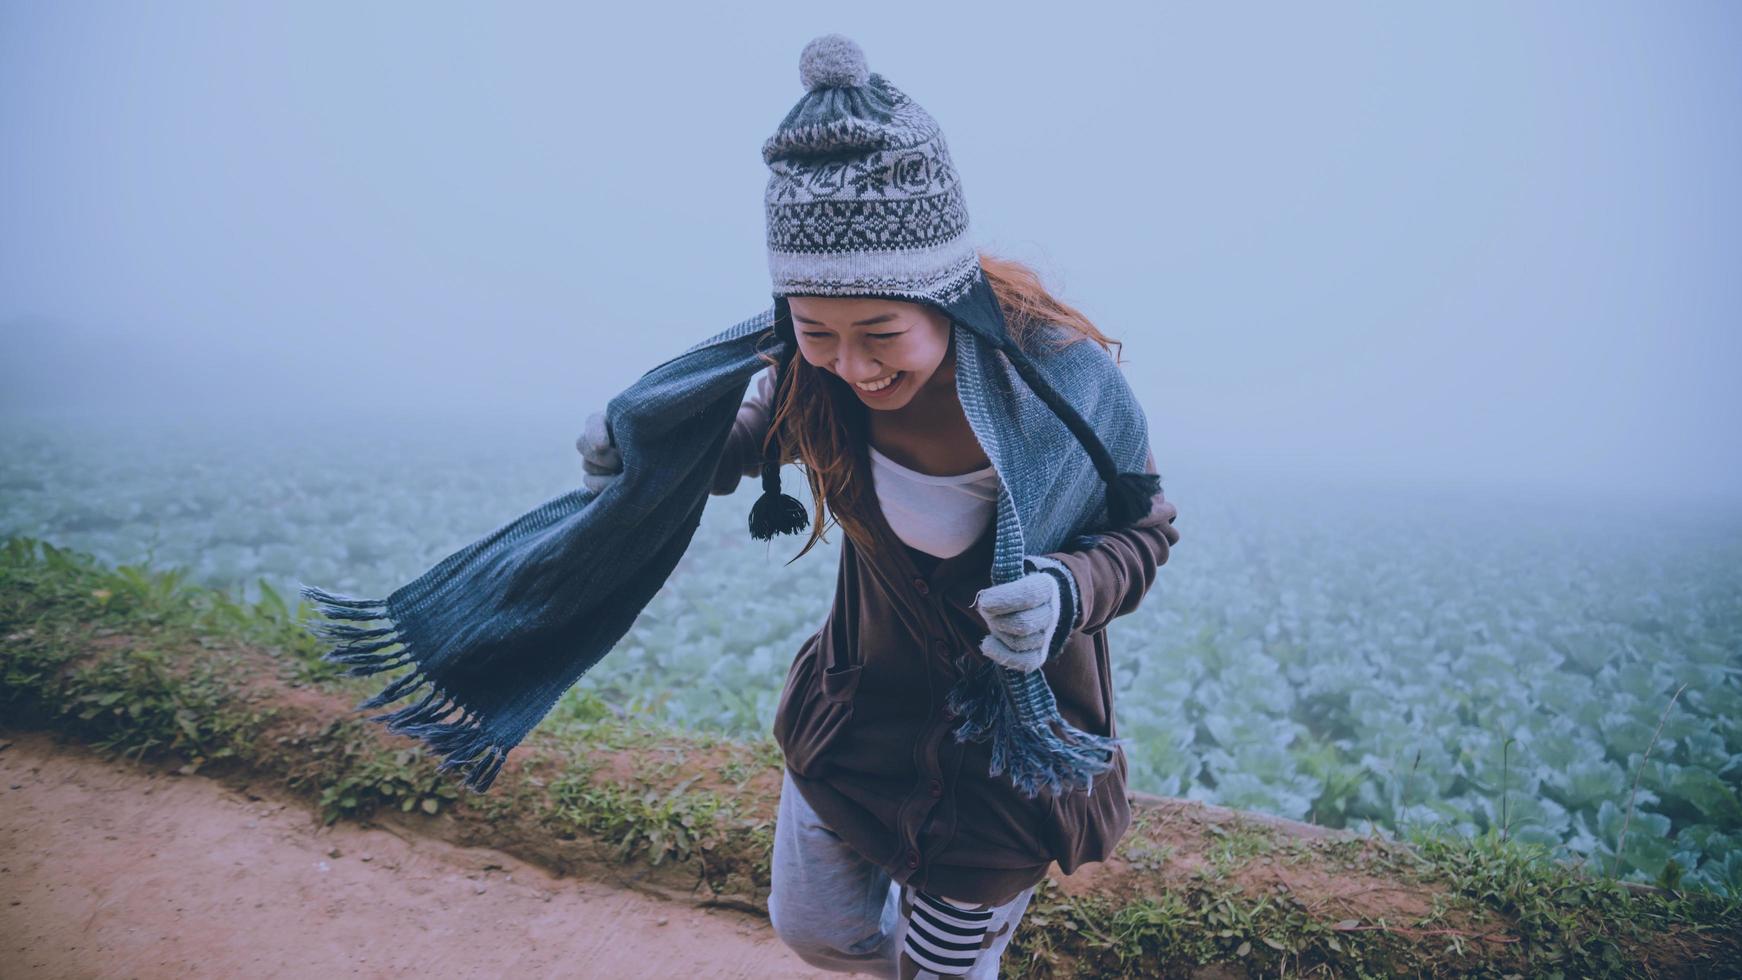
[[869, 340]]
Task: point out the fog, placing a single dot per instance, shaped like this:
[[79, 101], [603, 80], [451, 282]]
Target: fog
[[1483, 245]]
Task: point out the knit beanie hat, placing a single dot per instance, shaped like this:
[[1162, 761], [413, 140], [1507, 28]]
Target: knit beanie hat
[[862, 200]]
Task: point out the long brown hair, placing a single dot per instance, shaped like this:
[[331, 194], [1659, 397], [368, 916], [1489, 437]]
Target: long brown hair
[[823, 427]]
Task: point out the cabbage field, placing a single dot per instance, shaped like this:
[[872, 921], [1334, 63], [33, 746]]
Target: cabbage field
[[1376, 656]]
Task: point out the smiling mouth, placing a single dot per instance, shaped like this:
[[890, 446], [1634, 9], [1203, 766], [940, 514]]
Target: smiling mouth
[[882, 385]]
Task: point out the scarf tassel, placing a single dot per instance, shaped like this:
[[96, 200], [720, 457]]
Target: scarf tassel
[[777, 513], [463, 743], [363, 654], [340, 631], [1018, 713], [344, 601]]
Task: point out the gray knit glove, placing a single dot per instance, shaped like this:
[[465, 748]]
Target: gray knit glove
[[1028, 620], [599, 456]]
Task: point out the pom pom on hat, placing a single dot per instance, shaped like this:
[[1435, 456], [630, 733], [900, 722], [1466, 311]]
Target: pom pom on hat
[[832, 61]]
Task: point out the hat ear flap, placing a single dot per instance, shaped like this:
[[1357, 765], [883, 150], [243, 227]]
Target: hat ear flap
[[775, 512]]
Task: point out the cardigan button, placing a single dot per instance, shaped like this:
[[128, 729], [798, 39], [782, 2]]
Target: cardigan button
[[921, 587], [913, 859]]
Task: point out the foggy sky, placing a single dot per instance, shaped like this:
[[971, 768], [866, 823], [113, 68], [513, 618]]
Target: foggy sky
[[1485, 242]]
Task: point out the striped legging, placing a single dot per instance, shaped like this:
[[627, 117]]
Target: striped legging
[[840, 912]]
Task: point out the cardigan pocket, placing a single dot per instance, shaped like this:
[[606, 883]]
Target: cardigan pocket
[[815, 708], [1085, 825], [840, 683]]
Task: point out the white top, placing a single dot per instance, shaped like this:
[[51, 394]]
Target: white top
[[939, 515]]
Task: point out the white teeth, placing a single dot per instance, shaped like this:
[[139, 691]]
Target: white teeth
[[880, 385]]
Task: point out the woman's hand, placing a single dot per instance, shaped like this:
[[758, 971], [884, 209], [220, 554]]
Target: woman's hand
[[599, 456], [1023, 618]]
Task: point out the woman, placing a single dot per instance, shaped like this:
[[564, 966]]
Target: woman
[[898, 852]]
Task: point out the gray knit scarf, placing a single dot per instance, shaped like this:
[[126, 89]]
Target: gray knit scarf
[[500, 629]]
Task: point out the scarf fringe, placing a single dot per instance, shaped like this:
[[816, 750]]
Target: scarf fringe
[[463, 743], [338, 631], [334, 599], [1018, 713]]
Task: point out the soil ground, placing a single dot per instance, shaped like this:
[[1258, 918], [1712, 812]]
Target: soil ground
[[114, 870]]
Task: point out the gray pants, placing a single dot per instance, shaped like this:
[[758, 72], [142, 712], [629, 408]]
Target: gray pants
[[842, 913]]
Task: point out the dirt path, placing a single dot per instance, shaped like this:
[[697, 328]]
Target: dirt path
[[110, 870]]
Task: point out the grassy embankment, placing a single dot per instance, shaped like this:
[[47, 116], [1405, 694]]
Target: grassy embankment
[[138, 662]]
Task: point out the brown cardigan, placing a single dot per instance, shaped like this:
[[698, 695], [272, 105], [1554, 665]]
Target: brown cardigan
[[861, 719]]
